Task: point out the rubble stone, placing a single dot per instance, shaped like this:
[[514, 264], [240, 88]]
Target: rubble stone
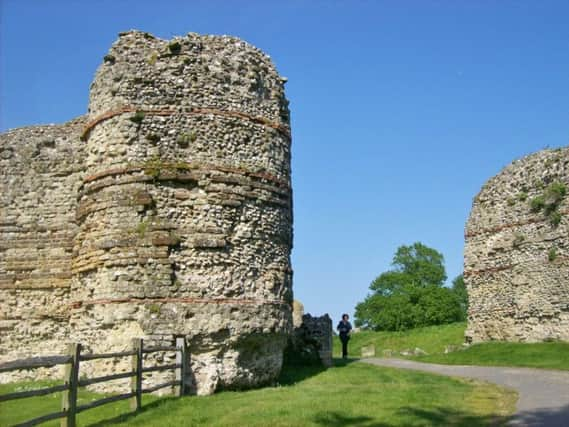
[[516, 258], [165, 212]]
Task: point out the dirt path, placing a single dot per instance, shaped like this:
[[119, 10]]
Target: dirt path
[[544, 394]]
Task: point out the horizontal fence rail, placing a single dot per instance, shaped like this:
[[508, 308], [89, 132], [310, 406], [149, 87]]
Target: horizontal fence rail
[[34, 362], [155, 349], [106, 355], [71, 381], [33, 393]]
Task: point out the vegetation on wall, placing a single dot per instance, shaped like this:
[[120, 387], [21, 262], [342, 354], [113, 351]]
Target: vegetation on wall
[[138, 117], [549, 202], [174, 47], [552, 255]]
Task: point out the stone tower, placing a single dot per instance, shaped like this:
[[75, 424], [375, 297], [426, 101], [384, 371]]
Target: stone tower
[[516, 259], [184, 207]]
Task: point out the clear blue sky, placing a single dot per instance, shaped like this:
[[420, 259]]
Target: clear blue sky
[[401, 110]]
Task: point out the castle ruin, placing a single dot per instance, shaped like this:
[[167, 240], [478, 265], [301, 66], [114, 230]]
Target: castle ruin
[[165, 212], [516, 259]]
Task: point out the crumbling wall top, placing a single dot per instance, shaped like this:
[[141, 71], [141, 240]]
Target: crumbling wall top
[[193, 71]]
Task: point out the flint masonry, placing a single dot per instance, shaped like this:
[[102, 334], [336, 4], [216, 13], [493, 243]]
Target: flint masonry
[[165, 212]]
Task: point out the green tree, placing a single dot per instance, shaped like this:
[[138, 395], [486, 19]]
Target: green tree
[[459, 288], [411, 294], [426, 266]]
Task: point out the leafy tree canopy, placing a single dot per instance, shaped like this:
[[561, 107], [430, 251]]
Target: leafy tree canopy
[[424, 265], [459, 288], [411, 294]]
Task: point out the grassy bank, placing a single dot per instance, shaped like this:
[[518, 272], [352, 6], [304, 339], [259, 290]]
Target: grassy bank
[[347, 394], [550, 355], [434, 339]]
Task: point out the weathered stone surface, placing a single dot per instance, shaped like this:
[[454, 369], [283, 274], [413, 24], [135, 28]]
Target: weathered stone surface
[[516, 259], [297, 313], [312, 339], [40, 173], [165, 212]]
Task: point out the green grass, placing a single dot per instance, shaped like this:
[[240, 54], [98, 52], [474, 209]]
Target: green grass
[[20, 410], [431, 339], [347, 394], [434, 339], [547, 355]]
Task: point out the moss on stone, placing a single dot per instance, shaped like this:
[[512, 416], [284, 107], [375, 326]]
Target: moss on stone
[[153, 58], [138, 117], [154, 308], [552, 255], [184, 139]]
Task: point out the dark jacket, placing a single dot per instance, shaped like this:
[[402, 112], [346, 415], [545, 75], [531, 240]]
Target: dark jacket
[[344, 329]]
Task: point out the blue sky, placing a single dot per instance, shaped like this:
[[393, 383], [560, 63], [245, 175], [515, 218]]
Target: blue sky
[[401, 110]]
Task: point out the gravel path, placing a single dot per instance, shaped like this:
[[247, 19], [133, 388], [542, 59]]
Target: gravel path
[[543, 394]]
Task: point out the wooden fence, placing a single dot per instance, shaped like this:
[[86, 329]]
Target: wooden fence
[[69, 407]]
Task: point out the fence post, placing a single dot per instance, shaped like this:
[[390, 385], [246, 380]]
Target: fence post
[[71, 377], [136, 381], [181, 359]]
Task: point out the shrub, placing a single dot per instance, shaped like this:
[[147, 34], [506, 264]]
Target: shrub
[[153, 166], [555, 192], [537, 203], [554, 218]]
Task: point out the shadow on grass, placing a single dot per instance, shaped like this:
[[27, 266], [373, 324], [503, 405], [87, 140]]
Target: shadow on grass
[[293, 373], [337, 419], [340, 363], [410, 416], [124, 417], [449, 417]]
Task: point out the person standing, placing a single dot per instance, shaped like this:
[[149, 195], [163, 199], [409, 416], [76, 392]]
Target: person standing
[[344, 328]]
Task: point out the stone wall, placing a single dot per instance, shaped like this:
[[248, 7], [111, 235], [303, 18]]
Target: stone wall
[[312, 339], [40, 172], [516, 264], [297, 313], [180, 222]]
